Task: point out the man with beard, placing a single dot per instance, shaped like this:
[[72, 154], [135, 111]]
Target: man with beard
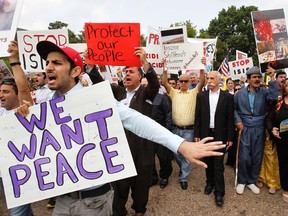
[[250, 112]]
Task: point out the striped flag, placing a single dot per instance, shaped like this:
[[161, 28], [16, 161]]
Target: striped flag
[[224, 67]]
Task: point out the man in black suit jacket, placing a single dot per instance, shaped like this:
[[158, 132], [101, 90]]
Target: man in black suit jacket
[[214, 117]]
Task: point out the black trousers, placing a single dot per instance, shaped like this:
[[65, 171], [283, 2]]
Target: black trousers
[[165, 156], [215, 171]]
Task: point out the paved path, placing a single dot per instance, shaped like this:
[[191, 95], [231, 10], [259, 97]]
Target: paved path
[[176, 202]]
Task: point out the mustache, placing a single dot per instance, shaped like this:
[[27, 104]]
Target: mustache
[[257, 82]]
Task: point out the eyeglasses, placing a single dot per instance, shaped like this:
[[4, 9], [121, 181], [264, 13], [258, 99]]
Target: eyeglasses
[[184, 81], [237, 89]]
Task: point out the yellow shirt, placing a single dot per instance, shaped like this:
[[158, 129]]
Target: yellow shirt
[[183, 106]]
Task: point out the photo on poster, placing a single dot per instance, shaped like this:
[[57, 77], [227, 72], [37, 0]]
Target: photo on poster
[[278, 26], [4, 71], [271, 38], [173, 35], [7, 10]]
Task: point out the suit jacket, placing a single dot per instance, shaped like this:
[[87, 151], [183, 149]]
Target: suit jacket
[[224, 116], [142, 150]]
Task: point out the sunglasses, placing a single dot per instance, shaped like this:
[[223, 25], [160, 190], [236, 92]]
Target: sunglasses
[[184, 81], [254, 77]]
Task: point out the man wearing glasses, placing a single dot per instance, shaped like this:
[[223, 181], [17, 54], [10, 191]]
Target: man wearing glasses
[[250, 111], [183, 115]]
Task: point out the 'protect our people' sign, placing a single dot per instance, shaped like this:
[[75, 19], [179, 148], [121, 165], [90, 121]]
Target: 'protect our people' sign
[[66, 144], [112, 43]]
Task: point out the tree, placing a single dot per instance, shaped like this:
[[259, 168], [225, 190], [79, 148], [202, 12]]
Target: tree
[[73, 38], [191, 30], [143, 39], [235, 31]]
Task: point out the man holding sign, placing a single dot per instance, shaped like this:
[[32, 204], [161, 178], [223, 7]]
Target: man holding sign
[[63, 66]]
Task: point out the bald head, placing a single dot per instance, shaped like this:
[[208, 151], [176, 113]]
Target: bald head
[[184, 82]]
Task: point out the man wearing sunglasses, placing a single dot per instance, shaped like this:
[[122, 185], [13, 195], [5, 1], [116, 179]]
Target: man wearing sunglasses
[[183, 115]]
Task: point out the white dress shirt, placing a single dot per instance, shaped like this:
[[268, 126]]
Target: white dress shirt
[[213, 100]]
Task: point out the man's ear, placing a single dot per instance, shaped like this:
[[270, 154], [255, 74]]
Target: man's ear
[[76, 71]]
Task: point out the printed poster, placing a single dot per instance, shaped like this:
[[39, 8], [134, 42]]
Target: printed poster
[[270, 32]]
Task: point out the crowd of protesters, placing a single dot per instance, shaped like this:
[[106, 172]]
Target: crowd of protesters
[[248, 118]]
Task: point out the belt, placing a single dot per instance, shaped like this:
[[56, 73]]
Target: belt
[[90, 193], [184, 127], [212, 129]]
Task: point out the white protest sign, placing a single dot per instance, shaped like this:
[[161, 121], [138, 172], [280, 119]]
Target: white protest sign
[[239, 68], [66, 144], [173, 35], [79, 47], [9, 16], [154, 55], [183, 56], [153, 38], [27, 41], [209, 46]]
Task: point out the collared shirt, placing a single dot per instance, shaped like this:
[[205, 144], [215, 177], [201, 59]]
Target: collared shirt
[[43, 94], [213, 100], [129, 96], [251, 98], [3, 112], [183, 106]]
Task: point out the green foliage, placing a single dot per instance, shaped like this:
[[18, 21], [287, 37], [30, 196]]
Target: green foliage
[[191, 30], [234, 30], [143, 39], [73, 38]]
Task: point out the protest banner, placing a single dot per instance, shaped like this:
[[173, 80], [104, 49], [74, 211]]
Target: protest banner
[[112, 43], [9, 17], [209, 48], [27, 41], [153, 37], [183, 56], [66, 144], [155, 55], [173, 35], [271, 38], [239, 68], [241, 55], [4, 71], [79, 47]]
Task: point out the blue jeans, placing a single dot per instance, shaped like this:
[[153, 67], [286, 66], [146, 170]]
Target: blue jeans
[[24, 210], [183, 163]]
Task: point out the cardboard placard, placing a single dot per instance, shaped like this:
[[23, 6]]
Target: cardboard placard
[[112, 43], [61, 147]]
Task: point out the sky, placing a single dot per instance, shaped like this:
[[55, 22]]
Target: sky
[[37, 14]]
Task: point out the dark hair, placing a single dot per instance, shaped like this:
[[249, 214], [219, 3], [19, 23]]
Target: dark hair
[[72, 65], [11, 82], [229, 80], [44, 75], [280, 72]]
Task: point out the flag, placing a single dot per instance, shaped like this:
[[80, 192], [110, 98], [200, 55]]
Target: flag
[[241, 55], [224, 67]]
